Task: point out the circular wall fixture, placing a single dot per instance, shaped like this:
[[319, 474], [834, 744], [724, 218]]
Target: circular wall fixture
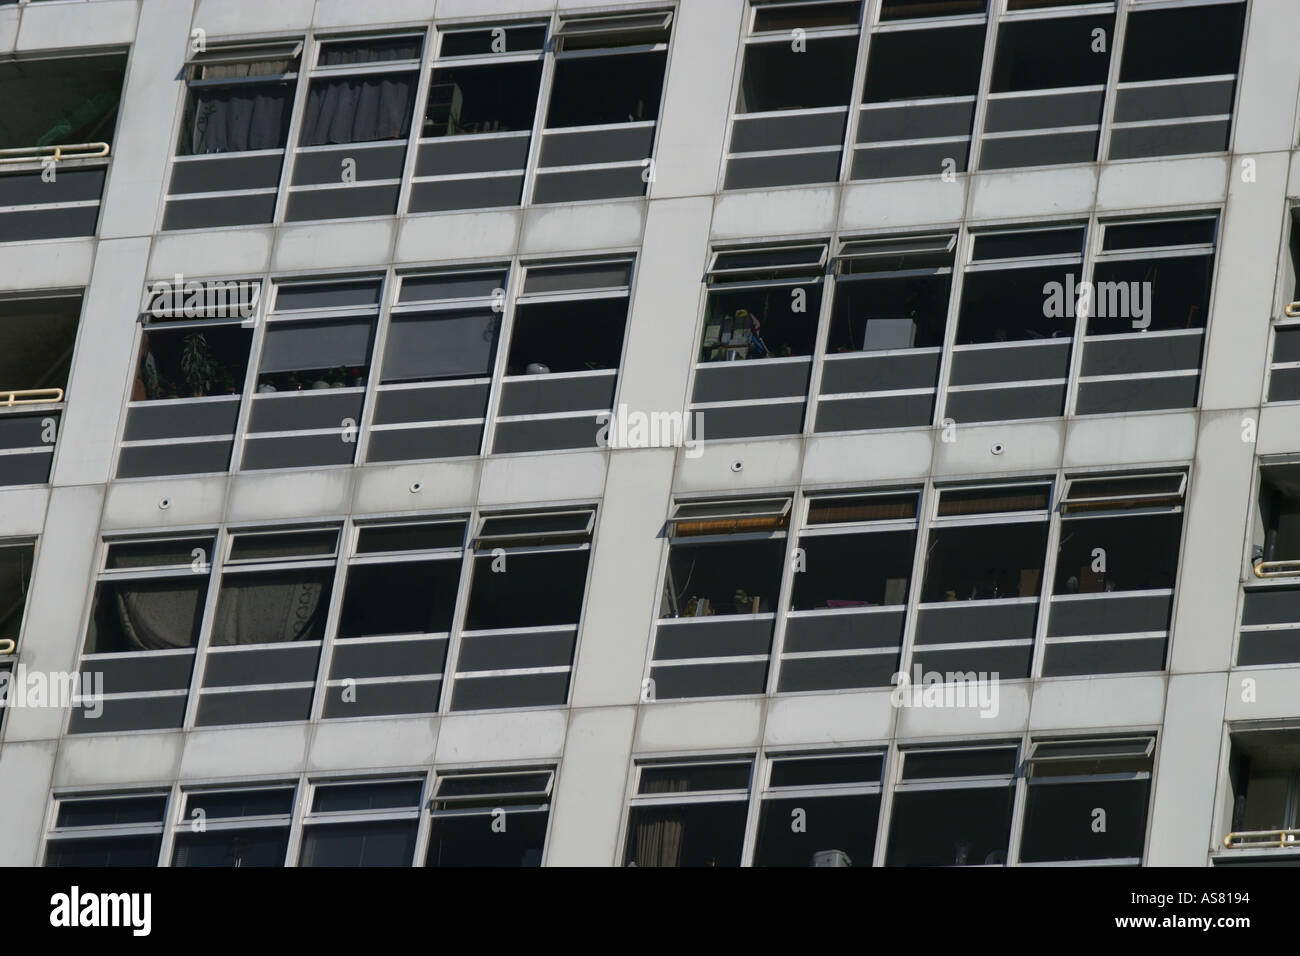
[[737, 465], [164, 503], [415, 487], [998, 448]]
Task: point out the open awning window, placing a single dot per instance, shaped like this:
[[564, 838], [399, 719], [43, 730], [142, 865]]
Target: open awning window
[[1059, 758], [603, 32], [484, 792], [1124, 493], [730, 517], [806, 261], [534, 529]]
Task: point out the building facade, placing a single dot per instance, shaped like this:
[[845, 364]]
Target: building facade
[[807, 432]]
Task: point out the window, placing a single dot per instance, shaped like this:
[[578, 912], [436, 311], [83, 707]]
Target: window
[[238, 102], [763, 305], [852, 570], [439, 356], [983, 574], [887, 327], [820, 811], [267, 626], [529, 578], [688, 814], [234, 827], [1264, 775], [479, 118], [599, 131], [145, 619], [1116, 564], [1012, 351], [721, 587], [1284, 368], [1087, 800], [362, 824], [354, 128], [190, 376], [399, 601], [565, 346], [1177, 81], [496, 818], [68, 117], [15, 578], [311, 379], [792, 103], [109, 831], [953, 807], [1150, 307], [1270, 615], [37, 337], [1047, 89]]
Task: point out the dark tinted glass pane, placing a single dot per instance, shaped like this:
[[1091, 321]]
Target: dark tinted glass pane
[[1061, 821], [795, 830], [359, 844], [470, 785], [411, 537], [985, 562], [854, 569], [399, 598], [478, 42], [533, 590], [272, 608], [439, 287], [685, 779], [806, 15], [326, 295], [954, 502], [701, 834], [249, 547], [479, 840], [1141, 235], [15, 576], [538, 525], [148, 554], [1139, 552], [367, 796], [914, 64], [101, 813], [825, 770], [920, 765], [1053, 53], [967, 827], [349, 52], [906, 9], [730, 577], [1015, 245], [1198, 41], [776, 77], [150, 615], [232, 848], [240, 803], [497, 98], [590, 91], [110, 851]]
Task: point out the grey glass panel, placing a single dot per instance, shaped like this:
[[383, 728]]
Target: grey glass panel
[[1286, 345], [1104, 657], [298, 452], [438, 286], [709, 680], [48, 223], [466, 193], [271, 665], [346, 202], [833, 673], [1047, 111], [372, 700], [389, 658], [359, 844], [524, 690], [222, 211], [409, 444], [736, 381], [707, 638], [326, 295], [216, 173], [589, 184], [196, 458], [1098, 398], [327, 167], [144, 422], [542, 394], [1284, 385], [1014, 364], [752, 421], [1008, 662], [440, 345], [597, 146], [439, 403], [1110, 615], [254, 707], [920, 160], [33, 469], [1119, 357], [917, 121], [842, 632], [69, 185], [471, 154], [1046, 150], [786, 132], [1059, 820], [757, 172], [545, 434], [1170, 102], [960, 621], [868, 373], [142, 672], [1136, 141], [1269, 647], [489, 652], [294, 346], [542, 280], [318, 408], [862, 413], [1271, 606], [1006, 404], [24, 431], [138, 713]]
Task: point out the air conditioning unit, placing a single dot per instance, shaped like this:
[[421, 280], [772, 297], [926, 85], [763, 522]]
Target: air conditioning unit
[[831, 858]]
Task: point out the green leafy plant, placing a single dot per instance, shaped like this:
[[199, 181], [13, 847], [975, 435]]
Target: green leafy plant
[[197, 364]]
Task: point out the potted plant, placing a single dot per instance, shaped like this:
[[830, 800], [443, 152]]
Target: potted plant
[[197, 365]]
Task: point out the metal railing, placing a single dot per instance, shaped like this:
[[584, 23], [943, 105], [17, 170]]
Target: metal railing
[[25, 154], [1292, 310], [7, 646], [1276, 569], [30, 396], [1255, 839]]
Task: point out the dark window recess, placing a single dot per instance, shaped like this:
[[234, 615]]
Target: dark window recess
[[776, 77], [572, 336], [1139, 552], [850, 570], [726, 577], [983, 562], [235, 105], [407, 598], [105, 847], [263, 846], [1264, 773], [490, 819], [432, 346], [519, 39], [358, 109], [191, 362], [1052, 53], [805, 16], [495, 98], [619, 88], [883, 311], [389, 841], [63, 101], [526, 590], [1168, 44], [36, 341], [1009, 305], [917, 64], [15, 578], [689, 833], [146, 615], [906, 9], [1279, 515], [410, 537], [272, 607], [837, 828], [953, 826], [761, 322], [316, 354], [1155, 295]]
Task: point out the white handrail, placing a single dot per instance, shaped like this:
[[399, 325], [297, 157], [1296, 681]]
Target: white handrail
[[1261, 838], [25, 154], [31, 396]]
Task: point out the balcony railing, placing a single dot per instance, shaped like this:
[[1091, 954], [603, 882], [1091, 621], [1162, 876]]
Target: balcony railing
[[1256, 839], [25, 154], [7, 646], [1276, 569], [31, 396]]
